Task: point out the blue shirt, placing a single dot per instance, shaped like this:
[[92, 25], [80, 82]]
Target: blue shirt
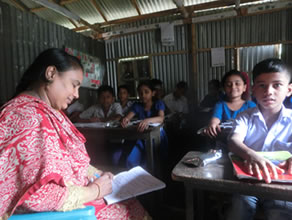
[[252, 130], [138, 109], [222, 111]]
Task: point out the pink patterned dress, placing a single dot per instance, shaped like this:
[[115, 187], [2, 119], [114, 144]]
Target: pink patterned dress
[[40, 151]]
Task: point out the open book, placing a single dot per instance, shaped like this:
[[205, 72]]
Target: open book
[[132, 183], [275, 157]]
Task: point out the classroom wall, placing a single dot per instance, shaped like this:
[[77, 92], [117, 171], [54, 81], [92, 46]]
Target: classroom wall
[[23, 36], [171, 64], [260, 29]]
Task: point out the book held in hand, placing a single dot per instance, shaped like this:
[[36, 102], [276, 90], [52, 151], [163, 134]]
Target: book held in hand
[[276, 157], [132, 183]]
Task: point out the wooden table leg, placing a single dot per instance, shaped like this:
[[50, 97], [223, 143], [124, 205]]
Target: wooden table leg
[[189, 202], [200, 205]]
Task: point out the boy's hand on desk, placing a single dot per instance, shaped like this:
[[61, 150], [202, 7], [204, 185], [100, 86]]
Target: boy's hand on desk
[[262, 168], [95, 119], [287, 165], [125, 121]]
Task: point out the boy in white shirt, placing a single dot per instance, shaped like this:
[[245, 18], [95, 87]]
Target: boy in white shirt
[[105, 110], [267, 127], [176, 102]]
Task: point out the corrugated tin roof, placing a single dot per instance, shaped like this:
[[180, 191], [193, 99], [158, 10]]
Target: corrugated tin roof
[[108, 12]]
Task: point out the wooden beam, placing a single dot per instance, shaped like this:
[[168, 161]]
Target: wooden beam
[[59, 9], [203, 6], [65, 12], [134, 3], [64, 2], [72, 22], [99, 10], [194, 61], [18, 4]]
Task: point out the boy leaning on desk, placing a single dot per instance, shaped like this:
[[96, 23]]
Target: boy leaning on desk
[[267, 127]]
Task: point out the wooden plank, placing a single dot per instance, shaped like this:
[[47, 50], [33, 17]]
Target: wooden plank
[[18, 4], [134, 3], [99, 10]]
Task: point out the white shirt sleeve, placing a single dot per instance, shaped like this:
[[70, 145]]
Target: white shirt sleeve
[[185, 109], [240, 125], [88, 113], [117, 109]]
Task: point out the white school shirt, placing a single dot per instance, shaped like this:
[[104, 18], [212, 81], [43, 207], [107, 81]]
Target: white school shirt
[[127, 108], [75, 107], [96, 111], [176, 105], [251, 127]]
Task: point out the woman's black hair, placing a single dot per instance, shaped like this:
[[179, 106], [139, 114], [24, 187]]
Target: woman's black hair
[[105, 88], [271, 65], [35, 74], [231, 73], [147, 83]]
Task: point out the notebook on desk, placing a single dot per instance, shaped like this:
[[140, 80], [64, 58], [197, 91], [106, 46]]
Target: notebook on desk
[[276, 157]]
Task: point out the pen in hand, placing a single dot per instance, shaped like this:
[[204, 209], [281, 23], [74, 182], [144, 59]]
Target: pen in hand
[[96, 175]]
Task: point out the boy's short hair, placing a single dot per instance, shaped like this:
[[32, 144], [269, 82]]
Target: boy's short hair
[[157, 83], [215, 83], [271, 65], [182, 85], [105, 88], [124, 87], [231, 73]]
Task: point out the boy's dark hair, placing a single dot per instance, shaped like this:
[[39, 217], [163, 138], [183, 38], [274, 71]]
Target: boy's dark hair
[[215, 83], [124, 87], [156, 83], [147, 83], [105, 88], [231, 73], [182, 85], [270, 65]]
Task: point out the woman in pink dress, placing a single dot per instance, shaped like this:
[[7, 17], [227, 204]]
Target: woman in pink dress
[[44, 165]]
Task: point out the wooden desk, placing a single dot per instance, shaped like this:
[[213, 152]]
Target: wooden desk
[[96, 136], [219, 177]]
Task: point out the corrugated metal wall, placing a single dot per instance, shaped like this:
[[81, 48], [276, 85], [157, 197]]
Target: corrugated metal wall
[[23, 36], [169, 65], [237, 32], [170, 68]]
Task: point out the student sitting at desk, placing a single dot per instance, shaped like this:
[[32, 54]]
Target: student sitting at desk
[[105, 110], [267, 127], [234, 84], [148, 111], [123, 94]]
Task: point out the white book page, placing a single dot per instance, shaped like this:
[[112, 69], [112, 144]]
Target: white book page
[[132, 183]]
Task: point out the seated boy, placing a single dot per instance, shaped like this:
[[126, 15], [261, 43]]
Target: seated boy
[[105, 110], [267, 127]]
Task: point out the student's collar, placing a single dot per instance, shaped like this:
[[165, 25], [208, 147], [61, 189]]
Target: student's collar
[[284, 113]]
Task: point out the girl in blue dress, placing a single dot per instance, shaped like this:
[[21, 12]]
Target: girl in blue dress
[[234, 84], [148, 110]]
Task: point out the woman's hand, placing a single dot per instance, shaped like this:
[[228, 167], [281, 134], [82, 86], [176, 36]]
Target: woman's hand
[[143, 125], [287, 165], [125, 121], [102, 186], [262, 168]]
